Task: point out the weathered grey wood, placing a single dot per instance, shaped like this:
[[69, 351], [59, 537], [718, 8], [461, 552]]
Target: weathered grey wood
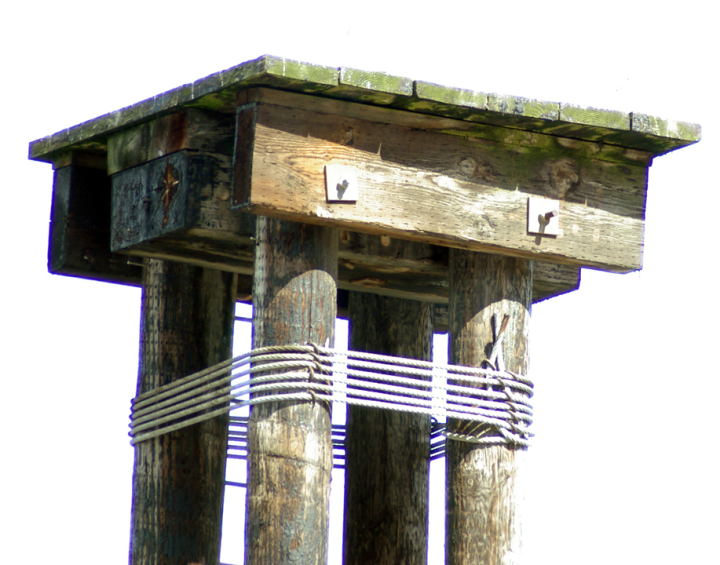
[[192, 128], [81, 159], [178, 478], [80, 227], [218, 92], [183, 196], [509, 136], [387, 454], [80, 244], [202, 230], [290, 448], [484, 510], [446, 189]]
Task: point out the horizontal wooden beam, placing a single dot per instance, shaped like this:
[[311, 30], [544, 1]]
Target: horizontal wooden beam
[[434, 187], [80, 246], [217, 92], [192, 128], [80, 227]]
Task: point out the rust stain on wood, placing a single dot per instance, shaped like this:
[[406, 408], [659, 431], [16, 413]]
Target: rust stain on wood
[[169, 183]]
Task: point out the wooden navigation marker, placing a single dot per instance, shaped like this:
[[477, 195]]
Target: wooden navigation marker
[[405, 189], [387, 453], [178, 479], [290, 446]]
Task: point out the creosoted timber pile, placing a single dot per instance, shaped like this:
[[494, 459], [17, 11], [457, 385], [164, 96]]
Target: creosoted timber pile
[[476, 204]]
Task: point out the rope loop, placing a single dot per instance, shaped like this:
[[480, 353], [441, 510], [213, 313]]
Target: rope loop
[[494, 404]]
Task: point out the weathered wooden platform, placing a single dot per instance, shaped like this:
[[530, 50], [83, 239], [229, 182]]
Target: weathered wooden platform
[[476, 159]]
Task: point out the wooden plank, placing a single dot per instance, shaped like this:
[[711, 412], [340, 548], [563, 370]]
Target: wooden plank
[[387, 454], [516, 138], [484, 512], [87, 160], [200, 130], [290, 447], [80, 247], [217, 92], [447, 190], [202, 230], [185, 194], [178, 478], [80, 227]]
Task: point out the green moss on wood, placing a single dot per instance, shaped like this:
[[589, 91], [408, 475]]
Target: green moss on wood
[[376, 82], [218, 92], [594, 117], [302, 72], [374, 98], [526, 107], [450, 96], [644, 123]]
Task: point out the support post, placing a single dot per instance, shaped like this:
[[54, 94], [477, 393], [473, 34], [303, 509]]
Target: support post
[[178, 479], [483, 523], [387, 454], [290, 447]]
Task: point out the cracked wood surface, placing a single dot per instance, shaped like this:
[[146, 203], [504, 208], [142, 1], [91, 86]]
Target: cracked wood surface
[[484, 494], [289, 443], [443, 189]]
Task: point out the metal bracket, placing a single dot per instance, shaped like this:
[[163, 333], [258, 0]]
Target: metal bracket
[[543, 216], [341, 184]]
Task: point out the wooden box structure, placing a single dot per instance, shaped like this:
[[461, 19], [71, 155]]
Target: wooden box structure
[[404, 191]]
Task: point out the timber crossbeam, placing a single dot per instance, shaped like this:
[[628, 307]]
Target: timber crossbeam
[[437, 166]]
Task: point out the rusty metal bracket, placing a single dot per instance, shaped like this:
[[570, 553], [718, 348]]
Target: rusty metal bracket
[[341, 183], [543, 216]]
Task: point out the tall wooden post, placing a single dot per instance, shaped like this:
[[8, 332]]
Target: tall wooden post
[[483, 505], [290, 447], [178, 479], [387, 453]]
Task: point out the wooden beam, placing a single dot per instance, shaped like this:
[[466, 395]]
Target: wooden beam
[[483, 523], [290, 447], [80, 227], [183, 194], [387, 454], [192, 222], [178, 478], [438, 187], [80, 246], [190, 128], [218, 92]]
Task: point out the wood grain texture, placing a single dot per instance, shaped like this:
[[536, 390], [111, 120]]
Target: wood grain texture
[[147, 212], [452, 126], [178, 478], [200, 130], [484, 499], [290, 449], [80, 228], [201, 229], [219, 90], [448, 190], [387, 453]]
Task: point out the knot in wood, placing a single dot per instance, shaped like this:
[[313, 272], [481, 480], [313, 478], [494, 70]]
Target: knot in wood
[[562, 176], [467, 166]]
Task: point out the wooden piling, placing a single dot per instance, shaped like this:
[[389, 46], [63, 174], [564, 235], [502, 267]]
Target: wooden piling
[[178, 478], [387, 453], [483, 523], [290, 448]]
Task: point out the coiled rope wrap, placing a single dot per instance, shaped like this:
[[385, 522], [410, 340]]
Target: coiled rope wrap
[[498, 402]]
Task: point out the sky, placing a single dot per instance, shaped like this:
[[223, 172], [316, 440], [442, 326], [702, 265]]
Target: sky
[[625, 462]]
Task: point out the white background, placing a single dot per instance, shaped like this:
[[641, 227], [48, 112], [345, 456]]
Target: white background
[[624, 468]]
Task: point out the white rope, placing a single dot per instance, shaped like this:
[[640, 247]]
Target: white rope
[[496, 402]]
